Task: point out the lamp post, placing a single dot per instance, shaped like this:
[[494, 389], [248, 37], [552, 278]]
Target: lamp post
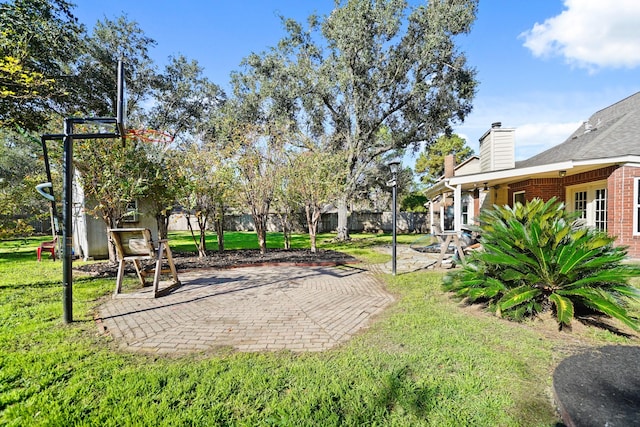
[[394, 166]]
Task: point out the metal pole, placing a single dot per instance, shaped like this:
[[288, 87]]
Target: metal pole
[[393, 220], [67, 233]]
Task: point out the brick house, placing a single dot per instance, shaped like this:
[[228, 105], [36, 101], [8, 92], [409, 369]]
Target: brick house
[[595, 171]]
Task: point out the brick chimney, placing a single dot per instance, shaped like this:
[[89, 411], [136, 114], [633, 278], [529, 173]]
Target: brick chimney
[[449, 165]]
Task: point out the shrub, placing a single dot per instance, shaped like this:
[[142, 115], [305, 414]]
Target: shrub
[[536, 258]]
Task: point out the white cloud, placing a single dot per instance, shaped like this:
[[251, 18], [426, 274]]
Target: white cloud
[[590, 34], [533, 138]]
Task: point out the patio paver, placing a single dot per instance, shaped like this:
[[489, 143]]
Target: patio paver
[[249, 309]]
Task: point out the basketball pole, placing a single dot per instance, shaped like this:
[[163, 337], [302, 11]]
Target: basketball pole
[[67, 181], [67, 234]]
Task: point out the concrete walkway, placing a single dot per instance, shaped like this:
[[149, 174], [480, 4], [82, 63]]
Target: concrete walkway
[[257, 308]]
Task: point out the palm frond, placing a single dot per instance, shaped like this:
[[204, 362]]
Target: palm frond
[[564, 308], [517, 296]]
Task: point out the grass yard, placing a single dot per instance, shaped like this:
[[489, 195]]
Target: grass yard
[[426, 361]]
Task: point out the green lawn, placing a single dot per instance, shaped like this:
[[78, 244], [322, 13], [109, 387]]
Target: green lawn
[[426, 361]]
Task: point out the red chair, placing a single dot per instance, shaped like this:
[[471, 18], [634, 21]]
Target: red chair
[[48, 247]]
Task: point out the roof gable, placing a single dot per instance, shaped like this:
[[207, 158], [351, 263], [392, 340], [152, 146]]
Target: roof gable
[[611, 132]]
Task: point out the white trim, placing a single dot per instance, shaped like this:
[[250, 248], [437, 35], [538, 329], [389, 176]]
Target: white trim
[[590, 189], [636, 205], [534, 170], [513, 198]]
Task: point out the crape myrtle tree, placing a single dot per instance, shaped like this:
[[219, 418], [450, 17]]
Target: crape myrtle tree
[[367, 69], [184, 102], [285, 199], [206, 177], [260, 159], [39, 40], [316, 178], [112, 175]]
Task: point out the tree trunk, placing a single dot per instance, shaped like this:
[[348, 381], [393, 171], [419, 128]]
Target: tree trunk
[[202, 225], [193, 236], [343, 218], [260, 222], [219, 226], [313, 217], [111, 246], [162, 221], [286, 229]]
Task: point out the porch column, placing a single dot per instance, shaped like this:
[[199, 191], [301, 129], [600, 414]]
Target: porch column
[[457, 208], [431, 216]]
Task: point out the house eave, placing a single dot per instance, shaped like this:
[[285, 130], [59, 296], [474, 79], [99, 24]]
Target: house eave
[[571, 167]]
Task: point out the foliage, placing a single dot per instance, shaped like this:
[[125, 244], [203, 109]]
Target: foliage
[[95, 83], [368, 77], [39, 39], [185, 99], [414, 202], [536, 258], [430, 162], [20, 171], [185, 103], [315, 178]]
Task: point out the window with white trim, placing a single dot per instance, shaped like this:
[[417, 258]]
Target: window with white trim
[[467, 209], [636, 206], [590, 200], [601, 209], [132, 212]]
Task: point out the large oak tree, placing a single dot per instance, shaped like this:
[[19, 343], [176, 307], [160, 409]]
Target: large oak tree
[[369, 69]]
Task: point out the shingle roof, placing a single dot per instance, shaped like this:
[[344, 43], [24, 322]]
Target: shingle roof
[[611, 132]]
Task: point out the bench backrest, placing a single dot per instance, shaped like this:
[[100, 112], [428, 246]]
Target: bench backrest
[[132, 242]]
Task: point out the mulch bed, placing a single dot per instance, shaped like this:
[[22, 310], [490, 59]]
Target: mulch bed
[[232, 259]]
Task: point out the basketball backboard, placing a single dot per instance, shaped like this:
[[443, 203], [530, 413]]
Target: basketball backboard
[[121, 107]]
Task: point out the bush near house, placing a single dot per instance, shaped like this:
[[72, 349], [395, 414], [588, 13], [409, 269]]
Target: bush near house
[[536, 257]]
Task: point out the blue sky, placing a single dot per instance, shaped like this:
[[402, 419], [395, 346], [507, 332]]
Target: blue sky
[[544, 66]]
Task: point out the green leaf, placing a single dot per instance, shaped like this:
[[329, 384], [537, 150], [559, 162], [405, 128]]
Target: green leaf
[[564, 308], [518, 296], [602, 302]]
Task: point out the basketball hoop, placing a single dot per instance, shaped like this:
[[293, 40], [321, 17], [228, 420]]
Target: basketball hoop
[[149, 135]]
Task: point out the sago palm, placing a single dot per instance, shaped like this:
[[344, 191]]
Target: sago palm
[[535, 258]]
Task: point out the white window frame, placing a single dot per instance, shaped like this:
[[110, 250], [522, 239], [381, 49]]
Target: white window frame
[[636, 207], [590, 188], [131, 207], [469, 202]]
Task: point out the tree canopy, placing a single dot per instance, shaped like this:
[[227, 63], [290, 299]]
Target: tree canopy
[[39, 39], [373, 76], [430, 162]]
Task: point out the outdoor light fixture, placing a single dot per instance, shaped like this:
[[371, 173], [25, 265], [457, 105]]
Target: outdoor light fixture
[[562, 173], [486, 187], [394, 167]]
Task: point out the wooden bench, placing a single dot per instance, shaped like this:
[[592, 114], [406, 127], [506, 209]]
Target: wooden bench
[[447, 238], [135, 245]]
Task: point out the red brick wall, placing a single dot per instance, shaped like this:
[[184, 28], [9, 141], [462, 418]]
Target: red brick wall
[[543, 188], [619, 204], [620, 208]]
